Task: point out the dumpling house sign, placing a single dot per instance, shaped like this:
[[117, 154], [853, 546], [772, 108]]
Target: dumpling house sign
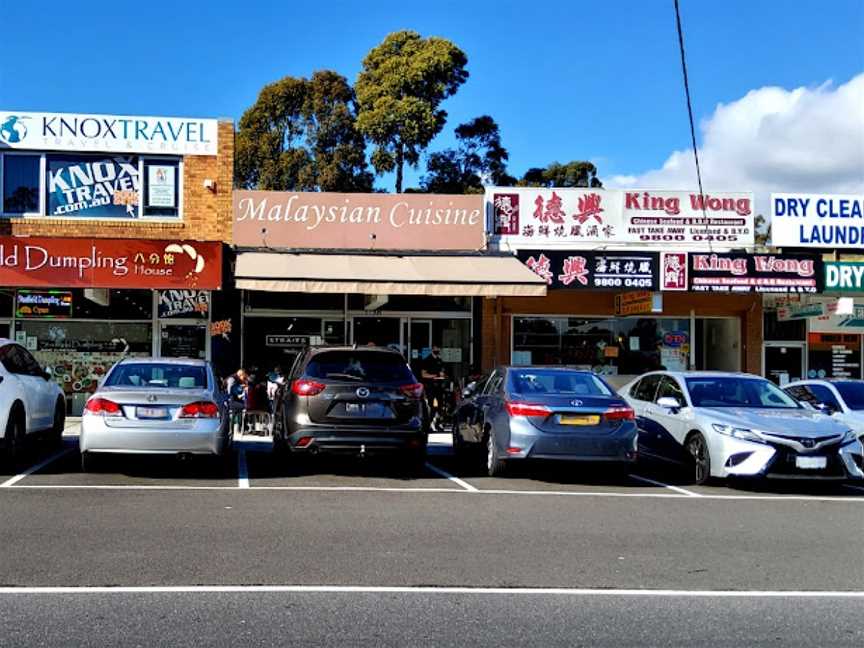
[[346, 221]]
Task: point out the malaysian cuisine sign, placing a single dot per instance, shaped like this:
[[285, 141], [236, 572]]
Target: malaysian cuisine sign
[[814, 220], [594, 270], [107, 133], [312, 220], [767, 273], [532, 217], [109, 263]]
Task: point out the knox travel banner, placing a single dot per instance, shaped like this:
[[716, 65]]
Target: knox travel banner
[[92, 187]]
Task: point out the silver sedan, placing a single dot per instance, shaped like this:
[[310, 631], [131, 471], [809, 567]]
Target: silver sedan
[[156, 406]]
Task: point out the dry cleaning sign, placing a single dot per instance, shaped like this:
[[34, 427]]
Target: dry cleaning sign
[[93, 187]]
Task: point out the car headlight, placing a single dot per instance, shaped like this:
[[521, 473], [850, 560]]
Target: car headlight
[[745, 434], [849, 437]]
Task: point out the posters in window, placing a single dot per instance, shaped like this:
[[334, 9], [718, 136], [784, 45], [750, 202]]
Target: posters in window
[[161, 185], [584, 270], [92, 187], [184, 303]]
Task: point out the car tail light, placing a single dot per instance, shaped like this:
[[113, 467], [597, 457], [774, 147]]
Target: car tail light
[[513, 450], [304, 387], [304, 441], [201, 409], [620, 414], [102, 407], [526, 409], [414, 390]]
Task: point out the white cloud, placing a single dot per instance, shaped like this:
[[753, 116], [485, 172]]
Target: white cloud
[[772, 139]]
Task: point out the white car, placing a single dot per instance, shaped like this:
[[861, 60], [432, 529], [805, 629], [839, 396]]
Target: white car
[[727, 424], [841, 399], [31, 402]]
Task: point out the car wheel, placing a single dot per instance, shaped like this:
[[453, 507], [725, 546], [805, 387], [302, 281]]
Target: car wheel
[[88, 462], [59, 423], [495, 466], [14, 438], [700, 458]]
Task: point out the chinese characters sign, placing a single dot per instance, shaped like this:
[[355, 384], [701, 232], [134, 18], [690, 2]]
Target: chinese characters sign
[[557, 217], [92, 187], [109, 263], [594, 270], [768, 273]]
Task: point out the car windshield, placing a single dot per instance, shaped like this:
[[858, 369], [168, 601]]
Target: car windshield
[[555, 381], [360, 366], [852, 393], [733, 391], [158, 375]]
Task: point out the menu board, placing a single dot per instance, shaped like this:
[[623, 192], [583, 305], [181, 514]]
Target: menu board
[[834, 355]]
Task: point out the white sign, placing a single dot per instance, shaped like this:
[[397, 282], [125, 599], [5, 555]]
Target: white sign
[[107, 133], [161, 184], [524, 217], [841, 317], [817, 220]]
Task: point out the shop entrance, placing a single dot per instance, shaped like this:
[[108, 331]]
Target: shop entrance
[[784, 363], [411, 337], [183, 339]]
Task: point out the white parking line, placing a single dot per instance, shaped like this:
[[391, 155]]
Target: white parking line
[[32, 469], [426, 589], [242, 470], [452, 478], [677, 489]]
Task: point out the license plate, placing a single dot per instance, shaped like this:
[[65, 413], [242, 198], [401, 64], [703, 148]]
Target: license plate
[[811, 463], [151, 412], [354, 408], [593, 419]]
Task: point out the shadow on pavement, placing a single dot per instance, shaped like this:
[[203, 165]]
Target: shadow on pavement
[[272, 465]]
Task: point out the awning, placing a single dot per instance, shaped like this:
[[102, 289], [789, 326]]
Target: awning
[[462, 276]]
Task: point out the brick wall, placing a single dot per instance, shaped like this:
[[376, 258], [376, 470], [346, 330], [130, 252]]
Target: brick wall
[[206, 214], [496, 327]]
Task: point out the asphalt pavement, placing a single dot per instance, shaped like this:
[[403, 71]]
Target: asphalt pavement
[[727, 564]]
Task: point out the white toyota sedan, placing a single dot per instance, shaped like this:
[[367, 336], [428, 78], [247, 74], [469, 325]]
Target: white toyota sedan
[[726, 424], [841, 399]]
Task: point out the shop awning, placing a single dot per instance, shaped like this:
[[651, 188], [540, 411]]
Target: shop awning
[[462, 276]]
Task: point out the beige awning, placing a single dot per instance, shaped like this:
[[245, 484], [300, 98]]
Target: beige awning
[[462, 276]]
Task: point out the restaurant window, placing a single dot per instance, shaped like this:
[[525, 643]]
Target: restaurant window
[[20, 185], [409, 303], [113, 304], [264, 300], [788, 331]]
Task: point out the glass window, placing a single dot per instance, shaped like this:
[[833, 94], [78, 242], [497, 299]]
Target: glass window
[[787, 331], [360, 365], [669, 388], [12, 359], [493, 384], [825, 396], [646, 388], [728, 391], [555, 381], [161, 187], [160, 375], [92, 186], [113, 304], [852, 393], [411, 303], [21, 184], [288, 301]]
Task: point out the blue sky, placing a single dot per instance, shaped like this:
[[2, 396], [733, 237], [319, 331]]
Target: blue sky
[[565, 80]]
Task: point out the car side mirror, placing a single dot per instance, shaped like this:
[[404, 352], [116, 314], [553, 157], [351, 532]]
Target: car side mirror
[[669, 403], [825, 408]]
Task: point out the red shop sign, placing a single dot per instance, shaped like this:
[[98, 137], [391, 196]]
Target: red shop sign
[[109, 263]]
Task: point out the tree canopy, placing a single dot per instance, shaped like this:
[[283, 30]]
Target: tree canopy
[[399, 91], [300, 135], [572, 174], [478, 160]]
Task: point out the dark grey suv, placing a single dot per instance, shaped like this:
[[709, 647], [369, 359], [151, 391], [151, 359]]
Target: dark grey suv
[[352, 400]]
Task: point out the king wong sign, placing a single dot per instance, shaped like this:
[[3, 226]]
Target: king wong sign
[[107, 133]]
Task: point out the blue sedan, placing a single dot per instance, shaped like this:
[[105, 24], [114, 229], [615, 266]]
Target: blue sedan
[[520, 413]]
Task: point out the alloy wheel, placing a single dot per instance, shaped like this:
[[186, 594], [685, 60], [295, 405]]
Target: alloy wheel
[[698, 450]]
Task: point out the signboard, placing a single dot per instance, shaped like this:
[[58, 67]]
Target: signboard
[[817, 220], [637, 302], [92, 187], [769, 273], [109, 263], [801, 311], [291, 341], [836, 321], [844, 276], [673, 271], [161, 185], [567, 218], [584, 270], [284, 219], [184, 303], [37, 131], [47, 304], [834, 355]]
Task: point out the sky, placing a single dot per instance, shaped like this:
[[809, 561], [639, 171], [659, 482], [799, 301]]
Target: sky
[[777, 87]]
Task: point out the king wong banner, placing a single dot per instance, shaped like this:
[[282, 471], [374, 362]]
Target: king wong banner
[[585, 270], [766, 273], [566, 218]]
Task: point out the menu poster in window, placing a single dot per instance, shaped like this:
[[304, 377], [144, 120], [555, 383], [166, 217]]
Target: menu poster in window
[[161, 185], [586, 270], [80, 186]]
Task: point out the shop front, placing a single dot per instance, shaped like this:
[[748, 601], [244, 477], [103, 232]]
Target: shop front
[[80, 305], [406, 272]]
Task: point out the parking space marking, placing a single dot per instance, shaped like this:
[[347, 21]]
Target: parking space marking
[[677, 489], [242, 470], [32, 469], [452, 478], [429, 589]]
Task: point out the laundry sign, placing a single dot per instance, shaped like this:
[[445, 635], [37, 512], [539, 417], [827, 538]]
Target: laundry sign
[[844, 276]]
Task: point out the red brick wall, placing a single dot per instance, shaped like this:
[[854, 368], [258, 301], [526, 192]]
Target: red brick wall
[[496, 329], [206, 214]]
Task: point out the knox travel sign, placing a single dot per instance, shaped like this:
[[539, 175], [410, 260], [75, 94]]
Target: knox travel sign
[[36, 131]]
